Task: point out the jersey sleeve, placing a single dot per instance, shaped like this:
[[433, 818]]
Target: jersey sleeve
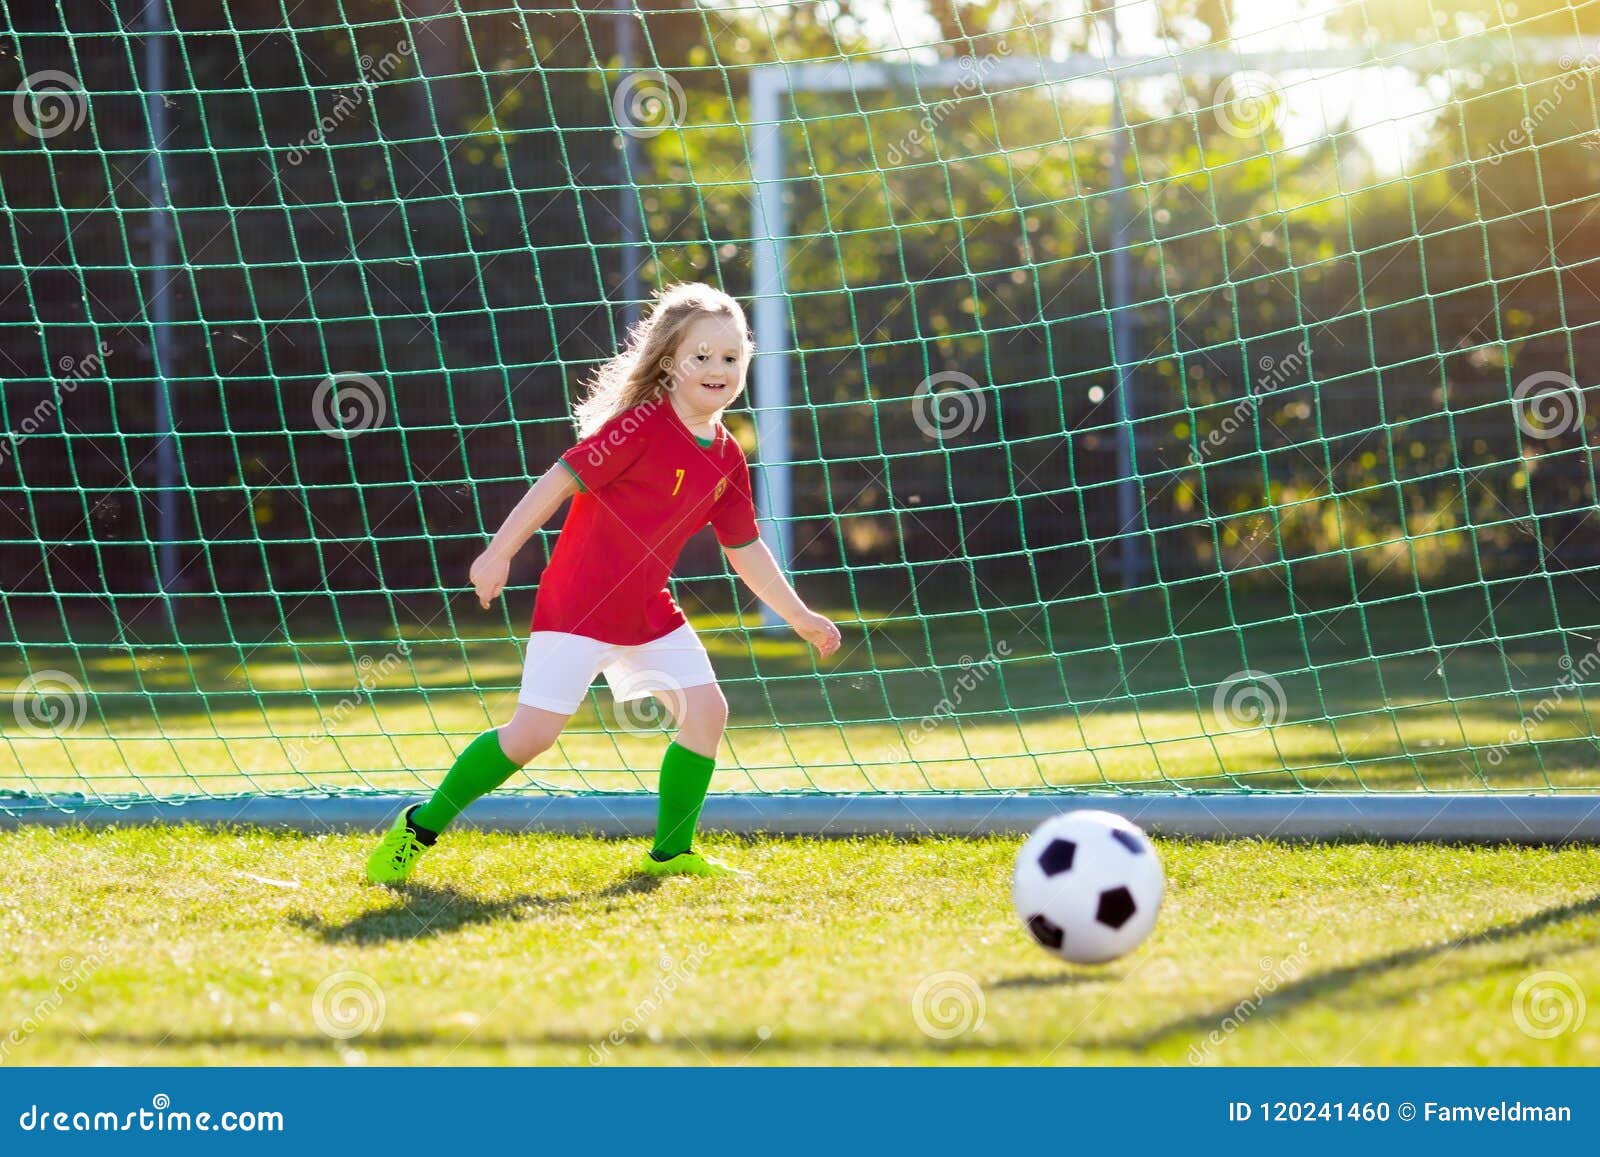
[[610, 450], [733, 518]]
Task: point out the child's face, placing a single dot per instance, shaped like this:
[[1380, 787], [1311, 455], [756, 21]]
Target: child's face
[[708, 366]]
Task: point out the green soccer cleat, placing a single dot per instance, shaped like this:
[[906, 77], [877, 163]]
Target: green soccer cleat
[[690, 863], [392, 860]]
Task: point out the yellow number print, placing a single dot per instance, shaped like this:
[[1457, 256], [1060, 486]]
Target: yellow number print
[[679, 481]]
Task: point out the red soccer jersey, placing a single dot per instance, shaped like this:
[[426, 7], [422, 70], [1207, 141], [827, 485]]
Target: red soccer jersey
[[646, 486]]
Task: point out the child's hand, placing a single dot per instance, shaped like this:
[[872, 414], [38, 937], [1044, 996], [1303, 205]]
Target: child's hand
[[818, 631], [489, 574]]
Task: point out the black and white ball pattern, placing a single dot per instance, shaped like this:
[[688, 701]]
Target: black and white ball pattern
[[1088, 886]]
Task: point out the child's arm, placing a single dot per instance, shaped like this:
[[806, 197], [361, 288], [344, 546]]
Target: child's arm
[[759, 570], [544, 498]]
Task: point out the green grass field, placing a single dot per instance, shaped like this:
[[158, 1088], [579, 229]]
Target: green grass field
[[1407, 695], [184, 946], [188, 946]]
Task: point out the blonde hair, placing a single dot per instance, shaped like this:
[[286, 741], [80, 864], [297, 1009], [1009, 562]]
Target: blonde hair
[[643, 368]]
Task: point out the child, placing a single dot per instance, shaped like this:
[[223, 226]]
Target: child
[[652, 466]]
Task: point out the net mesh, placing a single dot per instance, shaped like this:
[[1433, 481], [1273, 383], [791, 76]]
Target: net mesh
[[1181, 396]]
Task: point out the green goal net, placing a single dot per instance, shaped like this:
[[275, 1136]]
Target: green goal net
[[1162, 396]]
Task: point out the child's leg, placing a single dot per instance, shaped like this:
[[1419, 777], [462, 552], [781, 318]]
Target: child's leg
[[488, 762], [686, 769]]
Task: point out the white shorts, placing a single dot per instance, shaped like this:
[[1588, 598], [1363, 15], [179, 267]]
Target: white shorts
[[560, 667]]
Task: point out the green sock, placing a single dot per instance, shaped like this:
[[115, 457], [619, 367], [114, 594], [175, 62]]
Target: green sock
[[479, 769], [685, 776]]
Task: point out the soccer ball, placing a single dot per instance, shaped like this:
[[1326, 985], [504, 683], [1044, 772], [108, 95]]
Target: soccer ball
[[1088, 885]]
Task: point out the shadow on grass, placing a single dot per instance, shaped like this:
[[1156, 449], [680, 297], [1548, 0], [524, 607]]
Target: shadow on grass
[[424, 910], [745, 1046], [1325, 985], [1061, 978]]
